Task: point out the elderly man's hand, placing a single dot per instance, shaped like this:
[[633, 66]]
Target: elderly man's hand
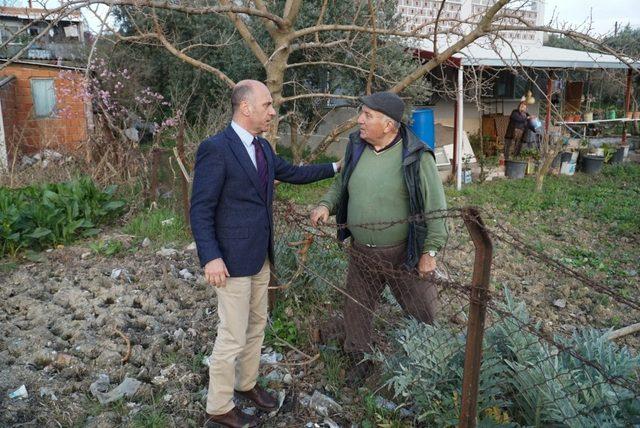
[[426, 265], [216, 272], [319, 214]]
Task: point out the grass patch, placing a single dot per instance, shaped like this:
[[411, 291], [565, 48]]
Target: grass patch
[[7, 266], [281, 327], [305, 194], [610, 199], [150, 418], [376, 416], [335, 364], [161, 226], [106, 248]]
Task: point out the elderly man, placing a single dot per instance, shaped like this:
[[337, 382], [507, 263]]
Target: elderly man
[[388, 176], [231, 220]]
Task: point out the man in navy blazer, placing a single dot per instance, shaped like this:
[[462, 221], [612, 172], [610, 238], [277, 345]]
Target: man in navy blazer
[[231, 220]]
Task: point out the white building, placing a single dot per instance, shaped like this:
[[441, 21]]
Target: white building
[[423, 13]]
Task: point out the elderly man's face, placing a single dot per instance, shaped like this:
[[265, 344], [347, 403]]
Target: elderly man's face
[[373, 124], [261, 111]]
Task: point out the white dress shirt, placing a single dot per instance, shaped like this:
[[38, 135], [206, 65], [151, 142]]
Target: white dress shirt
[[247, 140]]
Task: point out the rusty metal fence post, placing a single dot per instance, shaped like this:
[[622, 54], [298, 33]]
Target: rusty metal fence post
[[477, 312]]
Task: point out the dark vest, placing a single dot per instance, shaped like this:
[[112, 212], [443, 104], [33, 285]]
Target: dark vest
[[412, 150]]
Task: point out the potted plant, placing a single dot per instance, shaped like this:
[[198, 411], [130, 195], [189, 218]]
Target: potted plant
[[531, 157], [612, 154], [589, 161], [592, 164], [588, 114]]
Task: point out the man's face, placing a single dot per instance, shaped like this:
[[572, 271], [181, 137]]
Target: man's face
[[261, 111], [372, 124]]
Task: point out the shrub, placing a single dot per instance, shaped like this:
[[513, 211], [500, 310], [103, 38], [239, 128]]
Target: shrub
[[524, 380], [40, 216]]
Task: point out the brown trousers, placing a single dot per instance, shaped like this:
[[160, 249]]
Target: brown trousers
[[370, 269]]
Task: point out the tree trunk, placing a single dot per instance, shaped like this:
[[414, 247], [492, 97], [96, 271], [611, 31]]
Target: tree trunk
[[296, 146], [275, 68], [549, 152]]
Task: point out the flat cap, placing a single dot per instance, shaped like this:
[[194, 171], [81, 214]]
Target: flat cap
[[385, 102]]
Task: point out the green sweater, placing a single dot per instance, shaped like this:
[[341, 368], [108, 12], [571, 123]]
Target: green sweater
[[377, 193]]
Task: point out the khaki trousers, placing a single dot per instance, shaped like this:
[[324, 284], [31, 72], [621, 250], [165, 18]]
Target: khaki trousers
[[242, 309]]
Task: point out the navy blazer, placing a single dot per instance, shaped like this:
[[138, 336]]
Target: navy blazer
[[229, 217]]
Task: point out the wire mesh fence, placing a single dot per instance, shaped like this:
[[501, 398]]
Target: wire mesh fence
[[532, 349]]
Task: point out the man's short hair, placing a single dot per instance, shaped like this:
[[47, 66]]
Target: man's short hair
[[239, 93], [394, 123]]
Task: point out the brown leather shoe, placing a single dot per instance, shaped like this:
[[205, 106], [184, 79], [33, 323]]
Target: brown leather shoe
[[261, 398], [234, 418]]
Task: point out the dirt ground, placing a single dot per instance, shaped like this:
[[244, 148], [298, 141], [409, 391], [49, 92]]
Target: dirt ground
[[67, 318], [58, 333]]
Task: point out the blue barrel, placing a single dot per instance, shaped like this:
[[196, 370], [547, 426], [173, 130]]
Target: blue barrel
[[423, 126]]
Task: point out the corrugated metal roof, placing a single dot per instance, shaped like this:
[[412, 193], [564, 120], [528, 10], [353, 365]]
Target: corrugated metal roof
[[501, 54], [38, 14], [536, 56]]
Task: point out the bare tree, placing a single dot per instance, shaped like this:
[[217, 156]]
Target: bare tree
[[286, 38]]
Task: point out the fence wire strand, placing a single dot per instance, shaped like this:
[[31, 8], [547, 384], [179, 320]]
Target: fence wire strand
[[415, 328]]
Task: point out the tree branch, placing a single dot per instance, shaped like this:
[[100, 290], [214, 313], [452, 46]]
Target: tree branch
[[247, 36], [336, 64], [317, 95], [291, 11], [180, 7], [271, 27], [374, 47], [317, 45]]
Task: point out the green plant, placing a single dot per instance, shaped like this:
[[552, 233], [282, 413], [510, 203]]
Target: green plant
[[380, 417], [335, 365], [529, 154], [150, 417], [280, 329], [608, 151], [107, 248], [523, 379], [427, 371], [36, 217]]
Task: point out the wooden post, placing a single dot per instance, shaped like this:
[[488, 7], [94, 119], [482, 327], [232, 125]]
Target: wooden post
[[155, 167], [477, 313], [460, 127], [184, 185], [547, 118], [627, 104], [455, 136]]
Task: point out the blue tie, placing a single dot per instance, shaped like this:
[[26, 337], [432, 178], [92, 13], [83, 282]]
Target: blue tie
[[261, 166]]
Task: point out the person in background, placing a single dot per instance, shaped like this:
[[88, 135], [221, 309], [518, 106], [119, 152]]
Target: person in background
[[518, 122]]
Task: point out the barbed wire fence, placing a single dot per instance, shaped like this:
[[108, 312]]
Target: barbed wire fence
[[491, 345]]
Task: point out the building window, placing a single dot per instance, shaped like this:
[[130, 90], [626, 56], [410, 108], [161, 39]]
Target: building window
[[44, 97]]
